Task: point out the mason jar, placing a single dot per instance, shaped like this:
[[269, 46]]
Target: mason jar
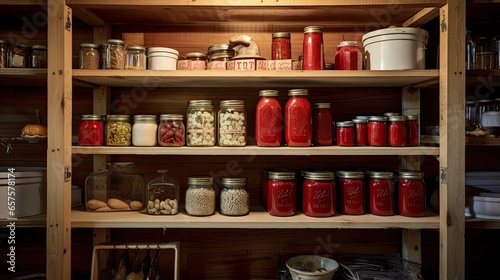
[[171, 130], [200, 196], [4, 53], [136, 58], [38, 56], [200, 123], [411, 193], [163, 194], [114, 54], [232, 123], [118, 130], [90, 131], [220, 52], [144, 130], [234, 197], [89, 56]]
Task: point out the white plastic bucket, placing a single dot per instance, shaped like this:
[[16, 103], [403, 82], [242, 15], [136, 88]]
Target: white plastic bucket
[[400, 48], [160, 58]]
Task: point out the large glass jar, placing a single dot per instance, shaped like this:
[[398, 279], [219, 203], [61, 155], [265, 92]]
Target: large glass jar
[[19, 56], [234, 197], [281, 47], [485, 53], [345, 133], [91, 131], [4, 54], [120, 188], [347, 56], [144, 130], [268, 119], [281, 193], [220, 52], [163, 194], [136, 58], [118, 130], [200, 196], [312, 52], [114, 54], [397, 131], [411, 193], [232, 123], [171, 131], [298, 118], [381, 191], [89, 56], [318, 193], [322, 124], [352, 192], [38, 56], [200, 123], [377, 131]]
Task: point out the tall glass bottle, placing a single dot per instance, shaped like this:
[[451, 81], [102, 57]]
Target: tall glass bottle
[[470, 52]]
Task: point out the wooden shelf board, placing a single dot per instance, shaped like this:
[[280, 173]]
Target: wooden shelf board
[[482, 223], [258, 151], [469, 141], [26, 222], [23, 76], [256, 219], [296, 78]]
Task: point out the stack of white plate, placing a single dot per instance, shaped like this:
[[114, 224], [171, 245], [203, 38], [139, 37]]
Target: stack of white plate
[[28, 188], [483, 194]]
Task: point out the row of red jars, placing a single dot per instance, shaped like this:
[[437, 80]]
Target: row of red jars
[[319, 193]]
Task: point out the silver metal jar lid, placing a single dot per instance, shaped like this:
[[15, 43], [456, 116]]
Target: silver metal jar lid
[[91, 118], [322, 175], [281, 175], [347, 43], [196, 55], [412, 117], [390, 114], [377, 119], [200, 180], [171, 117], [136, 48], [268, 93], [219, 47], [345, 124], [298, 92], [231, 103], [201, 103], [360, 120], [356, 174], [144, 118], [411, 175], [88, 45], [381, 174], [118, 117], [38, 47], [234, 182], [322, 105], [362, 117], [397, 118], [115, 41]]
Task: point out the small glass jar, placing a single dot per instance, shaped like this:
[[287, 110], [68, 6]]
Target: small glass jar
[[171, 131], [232, 123], [19, 56], [411, 193], [470, 110], [412, 131], [484, 105], [312, 49], [135, 58], [89, 56], [91, 131], [144, 130], [200, 196], [352, 192], [345, 133], [397, 131], [114, 54], [4, 54], [377, 131], [38, 56], [281, 47], [485, 53], [234, 197], [163, 194], [381, 190], [281, 193], [348, 57], [268, 119], [361, 132], [197, 61], [118, 130], [220, 52], [318, 193], [200, 123], [322, 124], [298, 119]]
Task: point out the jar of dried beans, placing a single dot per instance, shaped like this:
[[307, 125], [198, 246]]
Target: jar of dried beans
[[171, 130], [200, 123], [234, 197], [281, 46], [114, 54], [118, 130], [144, 130], [232, 123], [89, 56], [163, 194], [200, 196]]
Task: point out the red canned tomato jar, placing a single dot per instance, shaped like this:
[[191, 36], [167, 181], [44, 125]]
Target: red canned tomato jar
[[377, 131], [268, 119], [412, 130], [318, 189], [281, 47], [281, 193], [381, 190], [411, 193], [361, 132], [312, 51], [397, 131], [91, 131], [322, 124], [265, 183], [347, 56], [351, 192], [345, 133], [298, 118]]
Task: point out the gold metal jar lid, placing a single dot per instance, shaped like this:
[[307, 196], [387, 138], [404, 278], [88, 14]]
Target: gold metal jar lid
[[298, 92], [418, 175], [118, 117], [281, 35], [268, 93], [320, 175], [313, 29], [144, 118], [171, 117], [281, 175], [91, 118], [232, 103], [381, 174], [200, 180], [201, 103], [322, 105], [234, 181]]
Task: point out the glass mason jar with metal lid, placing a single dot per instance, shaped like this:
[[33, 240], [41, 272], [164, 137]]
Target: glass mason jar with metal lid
[[312, 49], [200, 196], [318, 193], [4, 53], [397, 131], [268, 119], [163, 194], [171, 131], [377, 131], [136, 58], [38, 56], [220, 52], [298, 118], [200, 123], [412, 131], [381, 193], [411, 193], [281, 47], [144, 130], [360, 132], [114, 54], [89, 56], [19, 56], [118, 130], [232, 123], [196, 56], [91, 131], [322, 124], [234, 197], [345, 133], [348, 57], [352, 192], [281, 193]]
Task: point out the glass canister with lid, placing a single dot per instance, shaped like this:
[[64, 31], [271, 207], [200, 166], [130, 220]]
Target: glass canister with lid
[[163, 194], [345, 133], [91, 131], [298, 118], [411, 193], [396, 131], [377, 131], [196, 61], [381, 190], [38, 56], [118, 130], [220, 52], [268, 119], [234, 197], [19, 56], [144, 130], [4, 54], [281, 193], [351, 191], [89, 56], [322, 124], [348, 57], [412, 131], [200, 123], [135, 58], [200, 196], [281, 47], [114, 54], [232, 123], [312, 50], [318, 193], [171, 131], [360, 131]]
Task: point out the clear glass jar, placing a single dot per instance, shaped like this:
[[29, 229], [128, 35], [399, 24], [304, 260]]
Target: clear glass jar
[[322, 124], [118, 130], [485, 53], [171, 130], [312, 49], [298, 118], [196, 61], [163, 194], [232, 123], [200, 196], [268, 119], [497, 104], [89, 56], [200, 124], [19, 56], [281, 47], [135, 58], [4, 54], [114, 54], [196, 56], [484, 105], [91, 131], [144, 130], [220, 52], [470, 51], [38, 56], [234, 197]]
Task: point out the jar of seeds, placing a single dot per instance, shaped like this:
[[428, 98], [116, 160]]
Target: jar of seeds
[[232, 123], [4, 53], [163, 194], [234, 197], [89, 56], [200, 123], [136, 58], [114, 54], [200, 196], [118, 130]]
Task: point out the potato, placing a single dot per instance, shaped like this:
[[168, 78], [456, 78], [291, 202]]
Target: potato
[[115, 203], [135, 205], [104, 209], [94, 204]]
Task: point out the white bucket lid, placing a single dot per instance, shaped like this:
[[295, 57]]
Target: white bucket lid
[[160, 54], [162, 50], [396, 33]]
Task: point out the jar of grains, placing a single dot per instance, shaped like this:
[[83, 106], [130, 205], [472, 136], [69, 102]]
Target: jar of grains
[[114, 54], [351, 192], [163, 194], [312, 57], [136, 58], [19, 56], [281, 193], [281, 47], [89, 56], [144, 130], [322, 124], [200, 196], [4, 53], [318, 192], [268, 119], [360, 132], [234, 197], [411, 193], [118, 130], [171, 130], [200, 123], [38, 56], [232, 123], [377, 131], [381, 190], [345, 133], [298, 118], [90, 131]]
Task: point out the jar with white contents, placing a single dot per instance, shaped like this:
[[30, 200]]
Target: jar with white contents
[[232, 123], [200, 124], [234, 197], [200, 196], [144, 130]]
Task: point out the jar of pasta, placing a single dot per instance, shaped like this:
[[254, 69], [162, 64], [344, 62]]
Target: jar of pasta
[[114, 54]]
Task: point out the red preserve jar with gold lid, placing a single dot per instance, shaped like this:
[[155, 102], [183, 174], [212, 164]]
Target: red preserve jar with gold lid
[[411, 193], [318, 193], [347, 56], [91, 131], [281, 193], [397, 131], [412, 130], [381, 198], [345, 133], [298, 118], [268, 119], [351, 192], [281, 47], [377, 131], [312, 50], [361, 131], [322, 124]]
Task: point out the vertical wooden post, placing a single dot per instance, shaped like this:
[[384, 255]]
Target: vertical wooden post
[[59, 141], [452, 140]]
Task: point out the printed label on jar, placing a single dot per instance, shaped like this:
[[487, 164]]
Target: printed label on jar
[[383, 199], [353, 199], [322, 201]]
